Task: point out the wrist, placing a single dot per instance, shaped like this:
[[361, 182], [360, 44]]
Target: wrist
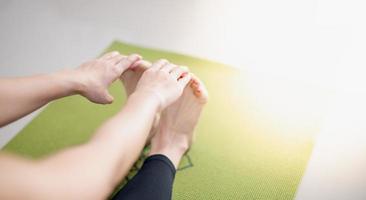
[[68, 81], [152, 97]]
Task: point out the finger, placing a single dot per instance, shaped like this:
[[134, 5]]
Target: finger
[[184, 80], [168, 68], [128, 61], [159, 64], [116, 59], [109, 55], [177, 72], [141, 64], [108, 98], [195, 79], [185, 68]]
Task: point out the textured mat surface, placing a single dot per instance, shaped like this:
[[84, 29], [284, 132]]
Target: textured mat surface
[[239, 153]]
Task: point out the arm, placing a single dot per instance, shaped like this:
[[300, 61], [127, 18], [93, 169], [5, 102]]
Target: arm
[[92, 170], [88, 171], [20, 96]]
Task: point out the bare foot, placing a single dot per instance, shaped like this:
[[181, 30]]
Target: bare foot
[[176, 128]]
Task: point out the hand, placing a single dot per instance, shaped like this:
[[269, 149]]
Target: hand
[[96, 75], [165, 80]]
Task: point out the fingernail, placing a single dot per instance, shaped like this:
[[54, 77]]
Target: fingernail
[[138, 55], [114, 53], [185, 68], [134, 57]]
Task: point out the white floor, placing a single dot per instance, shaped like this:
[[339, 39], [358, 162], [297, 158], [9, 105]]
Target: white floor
[[318, 42]]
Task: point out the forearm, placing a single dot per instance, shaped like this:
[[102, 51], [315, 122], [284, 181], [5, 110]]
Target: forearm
[[20, 96], [125, 135], [102, 162]]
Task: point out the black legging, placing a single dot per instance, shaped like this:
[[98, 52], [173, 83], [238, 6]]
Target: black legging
[[153, 181]]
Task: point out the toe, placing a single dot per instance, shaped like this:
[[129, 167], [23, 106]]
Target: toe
[[199, 89], [194, 85], [203, 94]]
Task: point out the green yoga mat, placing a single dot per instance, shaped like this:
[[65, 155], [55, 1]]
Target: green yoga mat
[[239, 153]]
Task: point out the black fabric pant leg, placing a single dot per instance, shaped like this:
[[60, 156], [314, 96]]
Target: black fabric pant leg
[[153, 181]]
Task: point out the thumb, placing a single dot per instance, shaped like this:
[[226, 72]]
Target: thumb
[[108, 98]]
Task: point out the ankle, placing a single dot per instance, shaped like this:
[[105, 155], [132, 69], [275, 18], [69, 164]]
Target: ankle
[[174, 154], [170, 141], [170, 147]]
